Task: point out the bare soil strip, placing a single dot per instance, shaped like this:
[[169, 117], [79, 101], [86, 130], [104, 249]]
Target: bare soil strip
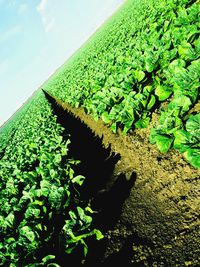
[[158, 223]]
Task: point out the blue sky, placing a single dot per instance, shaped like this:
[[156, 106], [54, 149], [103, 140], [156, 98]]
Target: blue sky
[[36, 37]]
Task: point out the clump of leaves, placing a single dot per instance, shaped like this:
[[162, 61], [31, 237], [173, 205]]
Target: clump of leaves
[[147, 55], [187, 140], [39, 198], [74, 230]]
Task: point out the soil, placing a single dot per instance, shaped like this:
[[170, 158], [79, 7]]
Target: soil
[[149, 205]]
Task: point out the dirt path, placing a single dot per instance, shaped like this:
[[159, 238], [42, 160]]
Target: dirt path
[[158, 223]]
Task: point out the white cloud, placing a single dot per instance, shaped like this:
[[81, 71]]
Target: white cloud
[[4, 36], [44, 9], [48, 23], [42, 6]]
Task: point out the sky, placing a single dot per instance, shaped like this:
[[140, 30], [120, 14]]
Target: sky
[[37, 37]]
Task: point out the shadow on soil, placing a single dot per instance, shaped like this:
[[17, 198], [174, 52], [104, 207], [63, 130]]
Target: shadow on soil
[[97, 164]]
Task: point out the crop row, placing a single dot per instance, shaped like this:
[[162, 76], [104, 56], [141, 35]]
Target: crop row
[[147, 54], [8, 130], [41, 214]]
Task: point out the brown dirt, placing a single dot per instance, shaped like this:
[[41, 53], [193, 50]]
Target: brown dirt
[[159, 224]]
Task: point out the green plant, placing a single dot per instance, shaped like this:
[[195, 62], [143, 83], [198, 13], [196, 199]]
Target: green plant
[[146, 55], [38, 186]]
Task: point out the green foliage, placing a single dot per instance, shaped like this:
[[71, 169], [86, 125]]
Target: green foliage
[[148, 53], [7, 131], [187, 140], [74, 230], [37, 186]]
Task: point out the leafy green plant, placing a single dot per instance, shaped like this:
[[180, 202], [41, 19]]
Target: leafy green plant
[[147, 54], [187, 140], [74, 229], [38, 185]]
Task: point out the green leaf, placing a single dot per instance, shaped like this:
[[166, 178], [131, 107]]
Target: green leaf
[[193, 125], [163, 142], [95, 116], [127, 126], [153, 135], [9, 220], [139, 75], [79, 179], [149, 65], [98, 234], [72, 215], [45, 187], [89, 210], [69, 250], [32, 213], [177, 66], [162, 92], [193, 156], [57, 159], [105, 117], [181, 140], [85, 218], [151, 102], [181, 102], [114, 127], [47, 258], [56, 197], [53, 173], [85, 248], [186, 51], [147, 90], [142, 122], [27, 232]]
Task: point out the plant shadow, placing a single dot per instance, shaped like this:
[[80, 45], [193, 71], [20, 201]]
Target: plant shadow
[[97, 164]]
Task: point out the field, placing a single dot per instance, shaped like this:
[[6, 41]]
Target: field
[[102, 164]]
